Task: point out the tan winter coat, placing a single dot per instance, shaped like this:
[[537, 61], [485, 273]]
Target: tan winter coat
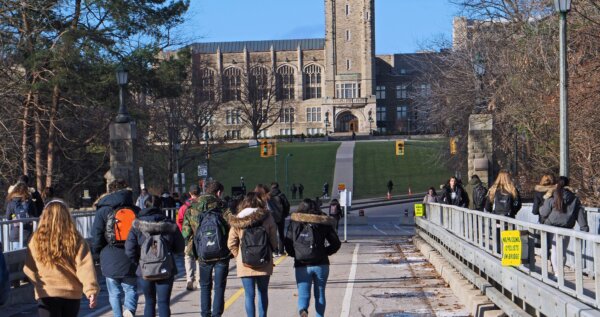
[[245, 219]]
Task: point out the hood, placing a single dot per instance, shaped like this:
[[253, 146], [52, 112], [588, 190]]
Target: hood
[[274, 192], [155, 227], [248, 217], [123, 197], [474, 182], [312, 218]]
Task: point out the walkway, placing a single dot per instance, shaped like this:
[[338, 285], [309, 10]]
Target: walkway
[[344, 168]]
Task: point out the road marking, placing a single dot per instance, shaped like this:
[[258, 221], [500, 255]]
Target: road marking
[[398, 227], [375, 227], [350, 286], [240, 291]]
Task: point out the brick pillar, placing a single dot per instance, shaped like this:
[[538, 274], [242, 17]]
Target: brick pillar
[[481, 147]]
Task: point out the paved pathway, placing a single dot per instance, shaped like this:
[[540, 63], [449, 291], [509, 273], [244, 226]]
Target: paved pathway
[[344, 168]]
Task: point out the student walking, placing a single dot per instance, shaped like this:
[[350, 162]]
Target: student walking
[[252, 238], [454, 193], [20, 206], [335, 211], [300, 191], [543, 190], [311, 239], [191, 265], [503, 197], [477, 193], [281, 200], [59, 264], [431, 196], [152, 244]]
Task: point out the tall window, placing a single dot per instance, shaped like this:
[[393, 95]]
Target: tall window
[[401, 112], [402, 91], [259, 83], [287, 115], [312, 81], [233, 134], [380, 92], [232, 117], [347, 9], [381, 114], [286, 131], [285, 83], [207, 87], [347, 90], [232, 84], [313, 114], [348, 64], [348, 35]]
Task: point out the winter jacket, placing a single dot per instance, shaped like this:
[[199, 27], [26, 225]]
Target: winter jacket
[[181, 213], [246, 218], [4, 278], [36, 198], [280, 198], [491, 206], [431, 199], [538, 199], [470, 189], [11, 214], [323, 224], [335, 211], [573, 212], [152, 221], [113, 260], [460, 198], [192, 217], [65, 281]]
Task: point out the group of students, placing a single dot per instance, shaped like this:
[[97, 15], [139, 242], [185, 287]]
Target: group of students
[[139, 246], [555, 203]]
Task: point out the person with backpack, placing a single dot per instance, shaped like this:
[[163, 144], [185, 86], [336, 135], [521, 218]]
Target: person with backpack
[[252, 238], [281, 200], [335, 211], [300, 191], [503, 197], [4, 278], [562, 208], [59, 264], [543, 190], [152, 244], [36, 197], [454, 194], [206, 231], [20, 206], [477, 193], [191, 265], [115, 213], [311, 240]]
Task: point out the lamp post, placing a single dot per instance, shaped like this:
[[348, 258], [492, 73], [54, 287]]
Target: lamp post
[[370, 122], [206, 136], [563, 7], [327, 124], [287, 186], [479, 67], [122, 79]]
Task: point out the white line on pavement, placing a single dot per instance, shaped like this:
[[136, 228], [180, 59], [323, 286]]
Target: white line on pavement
[[375, 227], [350, 286], [398, 227]]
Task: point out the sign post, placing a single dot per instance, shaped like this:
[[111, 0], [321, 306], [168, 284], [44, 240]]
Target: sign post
[[346, 202]]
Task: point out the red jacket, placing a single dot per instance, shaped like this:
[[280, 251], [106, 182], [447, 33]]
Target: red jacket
[[181, 213]]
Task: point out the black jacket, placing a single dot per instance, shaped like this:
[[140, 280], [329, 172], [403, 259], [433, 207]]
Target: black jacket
[[538, 199], [276, 194], [325, 224], [573, 212], [461, 198], [153, 221], [113, 260]]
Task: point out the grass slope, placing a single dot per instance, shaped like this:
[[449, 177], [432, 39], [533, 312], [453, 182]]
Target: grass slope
[[375, 163]]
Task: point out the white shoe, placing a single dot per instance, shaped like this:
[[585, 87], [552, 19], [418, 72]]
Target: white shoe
[[127, 313]]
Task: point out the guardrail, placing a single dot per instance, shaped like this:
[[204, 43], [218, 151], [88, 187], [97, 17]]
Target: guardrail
[[474, 238]]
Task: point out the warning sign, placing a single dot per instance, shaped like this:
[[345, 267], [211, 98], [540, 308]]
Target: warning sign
[[419, 210], [511, 248]]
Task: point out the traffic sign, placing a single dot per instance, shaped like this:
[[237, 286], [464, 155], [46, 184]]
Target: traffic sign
[[512, 247], [341, 186], [419, 210]]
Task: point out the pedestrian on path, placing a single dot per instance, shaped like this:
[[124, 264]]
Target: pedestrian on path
[[477, 193], [20, 206], [503, 197], [325, 190], [454, 194], [59, 264], [191, 265], [544, 189], [431, 196], [285, 212], [294, 189], [253, 225], [335, 211], [311, 239], [390, 186], [300, 191], [153, 232]]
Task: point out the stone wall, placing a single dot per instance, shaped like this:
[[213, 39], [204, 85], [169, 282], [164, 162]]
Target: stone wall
[[480, 147]]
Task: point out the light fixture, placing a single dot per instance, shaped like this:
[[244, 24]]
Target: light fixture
[[562, 6]]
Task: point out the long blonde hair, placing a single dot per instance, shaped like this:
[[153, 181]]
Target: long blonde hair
[[56, 238], [504, 183]]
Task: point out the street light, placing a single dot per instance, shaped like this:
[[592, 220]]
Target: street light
[[563, 7], [327, 123], [122, 79], [370, 122], [287, 187]]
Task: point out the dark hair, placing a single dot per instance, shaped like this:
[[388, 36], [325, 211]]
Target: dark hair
[[274, 185], [559, 194], [433, 190], [194, 190], [475, 176], [213, 187], [24, 179], [263, 190], [252, 200], [116, 185], [308, 206], [48, 192], [153, 201]]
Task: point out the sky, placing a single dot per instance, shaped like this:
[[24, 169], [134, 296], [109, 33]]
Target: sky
[[401, 26]]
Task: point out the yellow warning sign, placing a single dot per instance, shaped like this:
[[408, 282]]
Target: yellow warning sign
[[511, 248], [419, 210]]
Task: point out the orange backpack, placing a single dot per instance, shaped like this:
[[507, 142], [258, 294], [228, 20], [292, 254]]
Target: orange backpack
[[118, 225]]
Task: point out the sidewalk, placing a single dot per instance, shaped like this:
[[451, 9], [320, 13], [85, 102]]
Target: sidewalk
[[344, 168]]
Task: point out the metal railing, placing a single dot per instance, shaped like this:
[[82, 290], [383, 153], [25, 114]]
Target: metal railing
[[482, 230]]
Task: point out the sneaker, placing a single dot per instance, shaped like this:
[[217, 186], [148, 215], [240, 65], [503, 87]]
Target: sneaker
[[303, 313], [190, 286], [128, 313]]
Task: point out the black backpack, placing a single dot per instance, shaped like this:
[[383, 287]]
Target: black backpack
[[505, 205], [255, 246], [309, 244], [210, 239], [156, 260], [479, 194]]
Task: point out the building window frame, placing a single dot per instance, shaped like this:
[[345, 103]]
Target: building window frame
[[381, 113], [286, 83], [402, 112], [287, 115], [380, 92], [232, 84], [347, 90], [402, 91], [313, 114], [312, 81]]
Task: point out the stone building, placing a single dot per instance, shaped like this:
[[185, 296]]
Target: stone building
[[336, 84]]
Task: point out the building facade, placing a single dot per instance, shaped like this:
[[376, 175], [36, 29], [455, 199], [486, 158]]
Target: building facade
[[331, 85]]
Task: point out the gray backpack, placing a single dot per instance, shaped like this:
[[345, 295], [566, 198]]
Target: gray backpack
[[156, 260]]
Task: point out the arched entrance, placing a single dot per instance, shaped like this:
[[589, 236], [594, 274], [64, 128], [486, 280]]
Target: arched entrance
[[346, 122]]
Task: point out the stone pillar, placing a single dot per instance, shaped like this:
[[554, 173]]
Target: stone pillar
[[122, 154], [481, 147]]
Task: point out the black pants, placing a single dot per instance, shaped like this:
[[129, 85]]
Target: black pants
[[280, 230], [58, 307]]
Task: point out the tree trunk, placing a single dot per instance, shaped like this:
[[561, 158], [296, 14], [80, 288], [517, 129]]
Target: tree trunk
[[24, 136], [51, 135], [38, 151]]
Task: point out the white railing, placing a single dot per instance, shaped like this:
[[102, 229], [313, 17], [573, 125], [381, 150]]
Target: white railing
[[483, 230]]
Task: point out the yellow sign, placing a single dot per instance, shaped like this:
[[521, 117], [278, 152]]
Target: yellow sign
[[341, 186], [399, 147], [268, 148], [419, 210], [453, 148], [511, 248]]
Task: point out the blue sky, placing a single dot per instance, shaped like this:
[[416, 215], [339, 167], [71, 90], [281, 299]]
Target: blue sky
[[402, 26]]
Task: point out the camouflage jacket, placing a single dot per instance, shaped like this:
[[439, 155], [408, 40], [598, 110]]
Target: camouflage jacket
[[191, 218]]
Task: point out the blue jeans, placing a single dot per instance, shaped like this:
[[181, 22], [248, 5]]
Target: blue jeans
[[221, 269], [306, 276], [262, 284], [118, 286], [157, 292]]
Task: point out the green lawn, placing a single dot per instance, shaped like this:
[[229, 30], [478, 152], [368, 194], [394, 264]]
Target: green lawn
[[311, 164], [375, 163]]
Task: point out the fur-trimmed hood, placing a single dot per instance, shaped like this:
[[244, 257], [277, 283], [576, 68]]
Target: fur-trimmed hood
[[550, 192], [248, 217], [312, 218], [545, 189], [152, 227]]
